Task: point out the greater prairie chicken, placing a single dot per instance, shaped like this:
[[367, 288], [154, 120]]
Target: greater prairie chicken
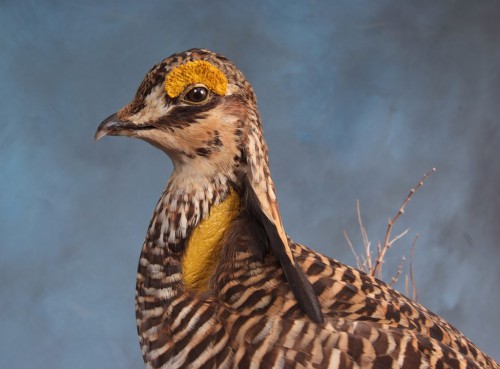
[[219, 283]]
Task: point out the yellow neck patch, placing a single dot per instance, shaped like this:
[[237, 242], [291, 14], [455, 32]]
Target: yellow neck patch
[[198, 71], [203, 247]]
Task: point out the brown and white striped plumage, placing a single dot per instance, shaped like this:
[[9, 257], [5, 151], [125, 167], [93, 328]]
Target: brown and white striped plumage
[[258, 311]]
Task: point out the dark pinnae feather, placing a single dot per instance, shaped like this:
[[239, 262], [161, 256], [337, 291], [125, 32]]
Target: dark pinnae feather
[[300, 285]]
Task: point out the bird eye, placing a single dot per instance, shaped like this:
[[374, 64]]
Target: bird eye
[[196, 95]]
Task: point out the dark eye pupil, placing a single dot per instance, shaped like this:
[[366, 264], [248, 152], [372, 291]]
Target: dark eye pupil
[[197, 94]]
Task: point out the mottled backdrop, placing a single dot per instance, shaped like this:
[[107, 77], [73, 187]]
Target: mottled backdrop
[[358, 100]]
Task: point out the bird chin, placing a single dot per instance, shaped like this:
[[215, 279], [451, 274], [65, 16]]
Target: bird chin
[[159, 143]]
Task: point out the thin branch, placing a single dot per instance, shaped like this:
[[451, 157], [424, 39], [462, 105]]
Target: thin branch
[[379, 249], [356, 257], [364, 261], [390, 223], [366, 243], [364, 235], [395, 277], [402, 234], [414, 291]]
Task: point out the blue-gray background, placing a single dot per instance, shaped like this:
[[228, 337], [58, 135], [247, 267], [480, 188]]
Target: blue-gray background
[[358, 100]]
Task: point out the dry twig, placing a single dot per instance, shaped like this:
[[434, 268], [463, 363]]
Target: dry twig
[[365, 262], [390, 223], [395, 277], [414, 291], [359, 265]]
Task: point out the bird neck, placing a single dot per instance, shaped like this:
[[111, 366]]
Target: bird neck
[[174, 255], [187, 226]]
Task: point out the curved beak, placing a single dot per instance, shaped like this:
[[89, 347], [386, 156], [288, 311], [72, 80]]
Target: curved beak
[[109, 126], [114, 126]]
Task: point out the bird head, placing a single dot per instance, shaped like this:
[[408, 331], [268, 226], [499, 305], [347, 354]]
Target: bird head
[[197, 107]]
